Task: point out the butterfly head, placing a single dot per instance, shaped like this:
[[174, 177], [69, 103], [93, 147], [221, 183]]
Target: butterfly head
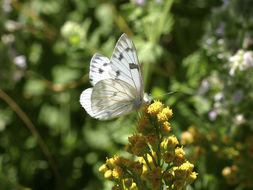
[[147, 98]]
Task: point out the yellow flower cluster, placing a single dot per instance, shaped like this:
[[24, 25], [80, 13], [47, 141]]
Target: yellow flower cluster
[[120, 169], [162, 114], [162, 161]]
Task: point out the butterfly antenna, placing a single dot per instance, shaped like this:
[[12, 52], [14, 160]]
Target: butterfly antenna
[[169, 93]]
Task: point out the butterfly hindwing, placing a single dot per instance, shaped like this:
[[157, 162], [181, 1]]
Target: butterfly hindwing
[[111, 98], [85, 100]]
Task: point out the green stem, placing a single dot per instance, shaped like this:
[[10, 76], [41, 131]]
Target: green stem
[[146, 160]]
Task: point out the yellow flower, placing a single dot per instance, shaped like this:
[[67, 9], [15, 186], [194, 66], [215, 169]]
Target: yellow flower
[[161, 117], [108, 174], [163, 145], [192, 177], [144, 169], [168, 112], [166, 128], [155, 108], [172, 142], [164, 115], [187, 166], [103, 168], [179, 156], [179, 151], [133, 187], [117, 172], [111, 161]]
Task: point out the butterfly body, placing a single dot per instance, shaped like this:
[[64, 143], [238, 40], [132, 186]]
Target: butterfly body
[[117, 83]]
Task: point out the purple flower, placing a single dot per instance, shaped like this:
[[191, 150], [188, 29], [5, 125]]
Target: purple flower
[[248, 59], [212, 115]]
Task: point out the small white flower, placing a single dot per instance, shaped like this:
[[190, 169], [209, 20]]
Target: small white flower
[[239, 119], [12, 25], [20, 61], [209, 41], [218, 96], [220, 41]]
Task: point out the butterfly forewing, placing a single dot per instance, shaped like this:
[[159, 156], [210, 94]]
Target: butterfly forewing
[[125, 64], [99, 68]]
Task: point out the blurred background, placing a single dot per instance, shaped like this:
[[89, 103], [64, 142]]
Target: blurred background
[[202, 49]]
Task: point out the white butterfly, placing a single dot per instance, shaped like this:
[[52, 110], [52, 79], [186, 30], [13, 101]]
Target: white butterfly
[[117, 83]]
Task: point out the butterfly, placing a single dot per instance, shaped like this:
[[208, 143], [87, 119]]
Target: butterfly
[[117, 83]]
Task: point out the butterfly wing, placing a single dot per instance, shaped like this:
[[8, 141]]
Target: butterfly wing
[[99, 68], [109, 98], [125, 65], [85, 100]]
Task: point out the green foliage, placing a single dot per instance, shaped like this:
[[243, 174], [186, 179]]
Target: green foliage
[[200, 49]]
